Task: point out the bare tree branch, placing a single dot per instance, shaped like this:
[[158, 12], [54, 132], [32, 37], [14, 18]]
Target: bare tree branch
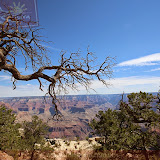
[[72, 70]]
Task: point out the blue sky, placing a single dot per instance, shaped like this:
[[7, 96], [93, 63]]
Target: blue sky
[[126, 29]]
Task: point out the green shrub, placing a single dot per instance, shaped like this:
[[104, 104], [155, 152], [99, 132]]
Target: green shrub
[[72, 156]]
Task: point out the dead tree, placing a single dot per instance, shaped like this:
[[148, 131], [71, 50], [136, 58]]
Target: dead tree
[[18, 42]]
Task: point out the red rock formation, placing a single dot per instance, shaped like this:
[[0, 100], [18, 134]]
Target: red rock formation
[[76, 112]]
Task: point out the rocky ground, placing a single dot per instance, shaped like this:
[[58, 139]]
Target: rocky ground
[[63, 149], [5, 156], [59, 150]]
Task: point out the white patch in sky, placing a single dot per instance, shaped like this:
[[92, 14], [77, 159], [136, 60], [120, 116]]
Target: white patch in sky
[[126, 84], [118, 86], [21, 91], [52, 48], [142, 61], [152, 70], [3, 78]]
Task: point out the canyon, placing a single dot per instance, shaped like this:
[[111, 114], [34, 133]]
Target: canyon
[[75, 112]]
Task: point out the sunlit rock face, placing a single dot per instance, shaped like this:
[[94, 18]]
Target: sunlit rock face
[[4, 156]]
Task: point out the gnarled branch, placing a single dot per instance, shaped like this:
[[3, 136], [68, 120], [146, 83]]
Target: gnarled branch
[[72, 70]]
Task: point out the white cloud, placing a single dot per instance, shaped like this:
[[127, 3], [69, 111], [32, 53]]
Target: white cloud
[[118, 85], [4, 77], [52, 48], [21, 90], [126, 84], [143, 61], [152, 70]]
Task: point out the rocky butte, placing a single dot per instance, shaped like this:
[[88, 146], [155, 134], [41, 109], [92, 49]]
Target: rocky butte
[[76, 111]]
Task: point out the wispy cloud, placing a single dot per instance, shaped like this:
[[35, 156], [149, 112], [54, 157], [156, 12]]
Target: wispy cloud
[[118, 85], [4, 78], [118, 69], [143, 61], [21, 90], [152, 70], [126, 84], [52, 48]]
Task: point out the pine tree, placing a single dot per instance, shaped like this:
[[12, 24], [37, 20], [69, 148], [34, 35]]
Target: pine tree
[[133, 127], [9, 133], [139, 109], [34, 133], [115, 127]]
